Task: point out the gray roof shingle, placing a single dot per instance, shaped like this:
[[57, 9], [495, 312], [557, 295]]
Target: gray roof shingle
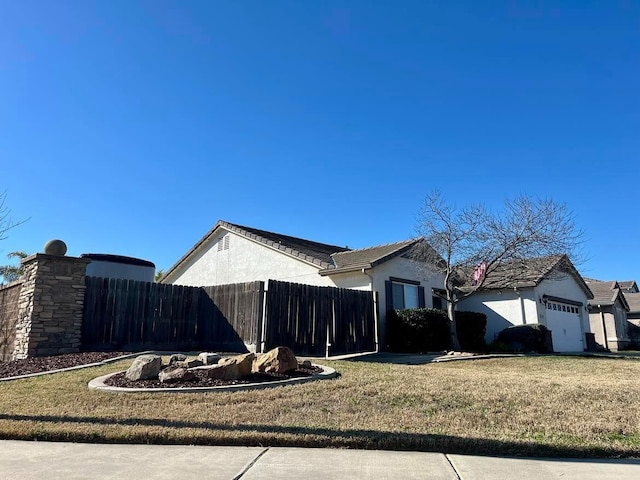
[[605, 293], [371, 256], [529, 273], [633, 299], [315, 252]]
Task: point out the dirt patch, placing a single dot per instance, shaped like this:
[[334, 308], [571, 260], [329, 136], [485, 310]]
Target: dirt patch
[[26, 366]]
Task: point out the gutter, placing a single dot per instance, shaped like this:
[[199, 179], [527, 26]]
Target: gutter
[[350, 268]]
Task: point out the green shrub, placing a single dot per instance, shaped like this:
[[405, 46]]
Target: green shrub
[[417, 330], [471, 328], [527, 338]]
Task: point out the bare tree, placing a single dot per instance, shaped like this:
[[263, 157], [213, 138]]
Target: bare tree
[[467, 244], [6, 222]]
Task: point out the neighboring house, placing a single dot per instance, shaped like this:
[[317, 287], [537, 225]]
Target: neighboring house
[[546, 290], [231, 253], [629, 286], [608, 314], [633, 318]]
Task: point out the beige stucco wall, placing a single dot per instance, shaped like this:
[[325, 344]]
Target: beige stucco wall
[[245, 261], [503, 309], [615, 323], [523, 306]]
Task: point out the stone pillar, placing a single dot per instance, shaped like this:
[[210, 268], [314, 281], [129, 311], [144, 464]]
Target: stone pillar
[[50, 306]]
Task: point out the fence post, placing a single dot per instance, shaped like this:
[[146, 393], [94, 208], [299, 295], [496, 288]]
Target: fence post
[[376, 320], [50, 306], [262, 320]]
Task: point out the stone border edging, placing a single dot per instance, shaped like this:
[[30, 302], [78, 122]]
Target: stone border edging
[[99, 385]]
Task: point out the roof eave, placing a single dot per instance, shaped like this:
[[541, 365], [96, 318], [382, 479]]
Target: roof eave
[[351, 268]]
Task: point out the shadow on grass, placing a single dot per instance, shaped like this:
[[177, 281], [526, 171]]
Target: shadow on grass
[[293, 436]]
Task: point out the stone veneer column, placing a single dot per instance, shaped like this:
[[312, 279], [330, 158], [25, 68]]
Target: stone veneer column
[[50, 306]]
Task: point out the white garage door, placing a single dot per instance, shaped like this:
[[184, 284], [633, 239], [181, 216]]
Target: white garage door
[[564, 322]]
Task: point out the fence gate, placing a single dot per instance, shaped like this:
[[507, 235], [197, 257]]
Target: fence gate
[[319, 321]]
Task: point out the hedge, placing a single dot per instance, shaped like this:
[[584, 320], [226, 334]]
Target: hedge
[[417, 330], [471, 328], [427, 330]]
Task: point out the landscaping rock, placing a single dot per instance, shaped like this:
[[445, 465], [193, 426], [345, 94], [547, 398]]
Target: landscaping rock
[[223, 372], [175, 374], [145, 367], [239, 365], [209, 358], [305, 364], [190, 363], [177, 357], [278, 360]]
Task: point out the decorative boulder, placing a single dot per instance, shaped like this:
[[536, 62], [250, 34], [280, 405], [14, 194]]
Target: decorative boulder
[[145, 367], [223, 372], [175, 374], [278, 360], [209, 358], [305, 364], [177, 357], [189, 363], [238, 366]]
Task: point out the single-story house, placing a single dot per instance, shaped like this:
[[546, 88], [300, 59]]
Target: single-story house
[[231, 253], [628, 286], [633, 318], [546, 290], [608, 315]]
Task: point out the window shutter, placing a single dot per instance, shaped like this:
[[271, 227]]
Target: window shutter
[[421, 302], [388, 295]]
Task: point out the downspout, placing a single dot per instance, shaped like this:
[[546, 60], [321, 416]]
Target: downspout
[[604, 328], [522, 311], [376, 318]]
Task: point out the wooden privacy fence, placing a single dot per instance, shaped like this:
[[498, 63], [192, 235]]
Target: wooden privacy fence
[[319, 321], [134, 315]]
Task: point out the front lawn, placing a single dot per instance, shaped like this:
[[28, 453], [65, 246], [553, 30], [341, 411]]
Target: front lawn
[[536, 406]]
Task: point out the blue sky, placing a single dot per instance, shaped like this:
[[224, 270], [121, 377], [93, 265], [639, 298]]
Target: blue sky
[[131, 127]]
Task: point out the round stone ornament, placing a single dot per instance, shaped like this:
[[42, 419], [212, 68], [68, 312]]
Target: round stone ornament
[[55, 247]]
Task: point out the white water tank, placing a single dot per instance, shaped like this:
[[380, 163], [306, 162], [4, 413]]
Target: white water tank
[[118, 266]]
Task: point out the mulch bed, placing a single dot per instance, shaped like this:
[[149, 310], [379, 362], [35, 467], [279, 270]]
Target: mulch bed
[[15, 368], [201, 379]]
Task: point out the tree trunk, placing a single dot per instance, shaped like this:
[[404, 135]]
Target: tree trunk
[[453, 327]]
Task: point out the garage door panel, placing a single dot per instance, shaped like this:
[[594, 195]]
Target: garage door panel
[[564, 322]]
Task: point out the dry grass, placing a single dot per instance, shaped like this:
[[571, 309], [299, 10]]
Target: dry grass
[[544, 406]]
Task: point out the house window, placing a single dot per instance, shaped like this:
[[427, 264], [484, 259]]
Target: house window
[[437, 303], [403, 294], [437, 300]]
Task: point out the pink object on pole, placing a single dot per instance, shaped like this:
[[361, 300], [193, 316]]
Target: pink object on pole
[[479, 271]]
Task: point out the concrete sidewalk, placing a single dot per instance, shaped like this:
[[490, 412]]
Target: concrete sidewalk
[[74, 461]]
